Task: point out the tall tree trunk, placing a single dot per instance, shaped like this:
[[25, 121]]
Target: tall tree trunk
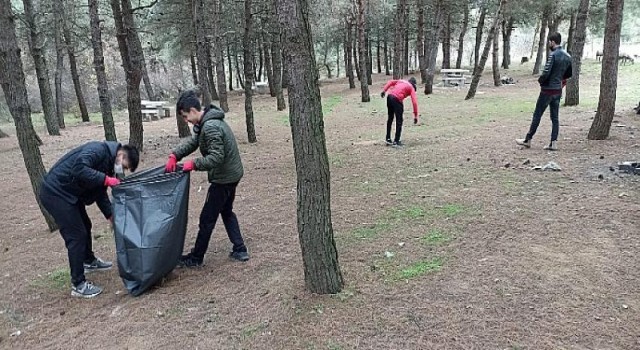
[[477, 72], [200, 17], [58, 17], [356, 54], [98, 64], [405, 64], [212, 82], [369, 60], [434, 30], [507, 29], [15, 93], [248, 72], [319, 253], [379, 64], [75, 75], [541, 44], [398, 43], [260, 63], [463, 32], [495, 68], [337, 59], [387, 70], [580, 34], [348, 53], [534, 42], [609, 76], [420, 4], [218, 56], [446, 41], [479, 30], [268, 67], [125, 33], [572, 29], [285, 75], [364, 87], [239, 74], [276, 57], [36, 46], [194, 69], [230, 65], [143, 69]]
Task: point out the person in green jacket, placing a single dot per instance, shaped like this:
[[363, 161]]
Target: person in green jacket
[[221, 160]]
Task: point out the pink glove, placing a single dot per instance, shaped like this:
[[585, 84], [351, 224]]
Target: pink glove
[[111, 181], [188, 166], [171, 164]]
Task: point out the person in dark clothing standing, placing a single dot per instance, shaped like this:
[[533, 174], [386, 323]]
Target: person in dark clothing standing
[[554, 77], [78, 179], [221, 159], [400, 89]]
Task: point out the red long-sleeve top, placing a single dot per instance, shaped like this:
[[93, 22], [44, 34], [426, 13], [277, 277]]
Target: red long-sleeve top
[[401, 90]]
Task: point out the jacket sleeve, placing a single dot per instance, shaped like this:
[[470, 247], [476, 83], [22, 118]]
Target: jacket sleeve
[[414, 102], [83, 168], [389, 84], [215, 151], [186, 148], [104, 204], [547, 69]]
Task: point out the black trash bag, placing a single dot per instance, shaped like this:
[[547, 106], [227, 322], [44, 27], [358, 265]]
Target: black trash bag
[[150, 222]]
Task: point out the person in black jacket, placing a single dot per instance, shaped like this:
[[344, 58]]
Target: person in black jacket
[[78, 179], [554, 77]]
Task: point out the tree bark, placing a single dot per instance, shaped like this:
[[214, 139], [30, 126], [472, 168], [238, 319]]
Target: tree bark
[[194, 69], [248, 72], [572, 29], [200, 17], [432, 39], [268, 67], [348, 52], [212, 82], [260, 62], [495, 68], [422, 60], [463, 32], [230, 65], [37, 48], [405, 38], [239, 74], [507, 30], [15, 93], [98, 64], [387, 71], [337, 59], [143, 68], [218, 55], [446, 40], [379, 64], [477, 72], [319, 254], [533, 42], [75, 76], [126, 33], [609, 75], [356, 54], [479, 30], [364, 87], [398, 43], [541, 44], [276, 57], [58, 17], [580, 34]]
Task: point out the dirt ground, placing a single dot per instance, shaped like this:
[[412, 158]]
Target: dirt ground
[[452, 242]]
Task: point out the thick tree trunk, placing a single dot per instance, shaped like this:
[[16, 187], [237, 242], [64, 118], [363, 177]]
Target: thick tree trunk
[[248, 72], [239, 75], [609, 76], [230, 65], [126, 33], [337, 59], [495, 68], [348, 53], [201, 21], [58, 17], [463, 32], [422, 60], [369, 54], [379, 63], [398, 43], [579, 36], [477, 72], [432, 39], [212, 81], [218, 56], [356, 55], [572, 29], [319, 253], [541, 44], [507, 29], [479, 30], [405, 64], [194, 69], [260, 62], [364, 87], [387, 70], [101, 75], [38, 51], [75, 75], [446, 41], [268, 67], [276, 57], [15, 93]]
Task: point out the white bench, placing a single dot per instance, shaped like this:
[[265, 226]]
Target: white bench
[[450, 75], [262, 88], [154, 110]]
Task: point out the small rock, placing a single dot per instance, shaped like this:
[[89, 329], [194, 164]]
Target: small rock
[[552, 166], [160, 314], [62, 313], [621, 125], [401, 244], [600, 177], [507, 165], [625, 306], [537, 167], [612, 168], [393, 193], [468, 159], [15, 334], [526, 162], [597, 318], [601, 157], [388, 254], [623, 194], [118, 292], [530, 307]]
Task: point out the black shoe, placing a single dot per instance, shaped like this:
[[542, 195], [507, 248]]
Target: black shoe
[[389, 142], [398, 144], [189, 261], [240, 256], [97, 265]]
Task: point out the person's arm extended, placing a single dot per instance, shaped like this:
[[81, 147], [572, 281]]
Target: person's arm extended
[[414, 102], [389, 85]]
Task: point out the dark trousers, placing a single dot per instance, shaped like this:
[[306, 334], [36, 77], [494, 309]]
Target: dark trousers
[[394, 108], [553, 102], [219, 203], [75, 228]]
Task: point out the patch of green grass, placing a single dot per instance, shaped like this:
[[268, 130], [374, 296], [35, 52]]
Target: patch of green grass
[[420, 268], [284, 120], [329, 104], [435, 236], [57, 279], [334, 346], [451, 210], [250, 331], [344, 295], [372, 231], [410, 213], [336, 160]]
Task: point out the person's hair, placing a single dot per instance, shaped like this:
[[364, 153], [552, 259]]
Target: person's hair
[[555, 37], [132, 155], [413, 82], [188, 99]]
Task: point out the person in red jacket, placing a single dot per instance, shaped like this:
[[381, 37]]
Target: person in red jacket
[[400, 89]]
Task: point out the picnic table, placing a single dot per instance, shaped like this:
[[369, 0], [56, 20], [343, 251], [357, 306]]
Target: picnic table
[[154, 110], [453, 76]]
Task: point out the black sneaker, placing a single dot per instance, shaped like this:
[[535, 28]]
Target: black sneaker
[[389, 142], [85, 290], [189, 261], [97, 265], [240, 256], [398, 144]]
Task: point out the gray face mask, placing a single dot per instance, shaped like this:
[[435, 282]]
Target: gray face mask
[[118, 170]]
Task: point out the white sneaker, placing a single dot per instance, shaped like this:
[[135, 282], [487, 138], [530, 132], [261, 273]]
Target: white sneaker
[[85, 290], [523, 142], [551, 146]]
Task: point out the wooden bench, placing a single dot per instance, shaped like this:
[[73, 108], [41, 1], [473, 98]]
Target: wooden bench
[[154, 110], [450, 75]]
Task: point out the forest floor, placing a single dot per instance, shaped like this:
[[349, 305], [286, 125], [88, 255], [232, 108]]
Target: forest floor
[[452, 242]]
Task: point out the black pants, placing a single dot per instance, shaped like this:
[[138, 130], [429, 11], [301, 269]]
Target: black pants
[[75, 228], [219, 203], [394, 107], [553, 102]]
